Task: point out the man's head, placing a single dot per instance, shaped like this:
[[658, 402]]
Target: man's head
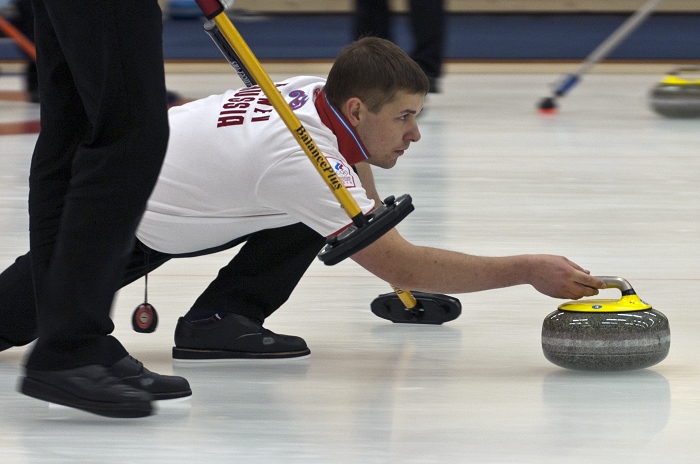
[[380, 90], [373, 70]]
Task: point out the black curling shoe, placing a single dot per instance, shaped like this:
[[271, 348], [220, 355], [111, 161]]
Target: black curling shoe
[[163, 387], [232, 336], [90, 388]]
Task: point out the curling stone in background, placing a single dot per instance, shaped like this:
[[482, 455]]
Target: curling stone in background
[[416, 307], [678, 94], [606, 335]]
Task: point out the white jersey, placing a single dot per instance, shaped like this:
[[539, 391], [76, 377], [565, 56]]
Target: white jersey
[[233, 168]]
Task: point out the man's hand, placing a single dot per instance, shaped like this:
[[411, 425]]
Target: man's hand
[[558, 277]]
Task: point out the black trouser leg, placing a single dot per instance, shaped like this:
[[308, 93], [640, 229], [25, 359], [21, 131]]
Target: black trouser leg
[[17, 304], [428, 23], [262, 276], [372, 19], [103, 137]]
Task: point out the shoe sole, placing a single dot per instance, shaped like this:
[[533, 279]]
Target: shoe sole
[[171, 395], [203, 355], [46, 392]]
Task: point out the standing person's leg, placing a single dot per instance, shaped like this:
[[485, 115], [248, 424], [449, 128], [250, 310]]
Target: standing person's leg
[[372, 19], [428, 23], [226, 320], [84, 208], [103, 137]]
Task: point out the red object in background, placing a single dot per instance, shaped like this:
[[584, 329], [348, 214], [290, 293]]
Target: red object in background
[[22, 42]]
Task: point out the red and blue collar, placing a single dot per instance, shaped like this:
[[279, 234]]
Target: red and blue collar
[[349, 143]]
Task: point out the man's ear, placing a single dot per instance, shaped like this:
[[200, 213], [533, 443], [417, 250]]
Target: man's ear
[[353, 111]]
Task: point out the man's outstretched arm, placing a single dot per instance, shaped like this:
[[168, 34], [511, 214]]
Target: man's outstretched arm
[[399, 262], [434, 270]]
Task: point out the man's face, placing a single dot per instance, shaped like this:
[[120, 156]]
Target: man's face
[[388, 133]]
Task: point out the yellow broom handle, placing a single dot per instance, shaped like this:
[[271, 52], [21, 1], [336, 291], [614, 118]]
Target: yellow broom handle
[[408, 300], [290, 119]]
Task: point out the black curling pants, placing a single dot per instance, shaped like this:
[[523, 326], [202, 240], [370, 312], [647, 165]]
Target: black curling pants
[[372, 18], [257, 281], [104, 132]]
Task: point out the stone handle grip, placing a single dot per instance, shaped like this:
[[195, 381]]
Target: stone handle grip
[[619, 283]]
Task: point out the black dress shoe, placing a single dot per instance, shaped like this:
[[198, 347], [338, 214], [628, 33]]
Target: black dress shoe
[[90, 388], [232, 336], [163, 387]]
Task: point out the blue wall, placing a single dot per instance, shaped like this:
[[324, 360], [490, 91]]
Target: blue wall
[[469, 36]]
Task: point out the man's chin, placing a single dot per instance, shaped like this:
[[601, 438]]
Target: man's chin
[[389, 163]]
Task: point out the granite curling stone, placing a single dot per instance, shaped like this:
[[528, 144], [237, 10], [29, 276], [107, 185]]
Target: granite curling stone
[[678, 94], [606, 335]]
